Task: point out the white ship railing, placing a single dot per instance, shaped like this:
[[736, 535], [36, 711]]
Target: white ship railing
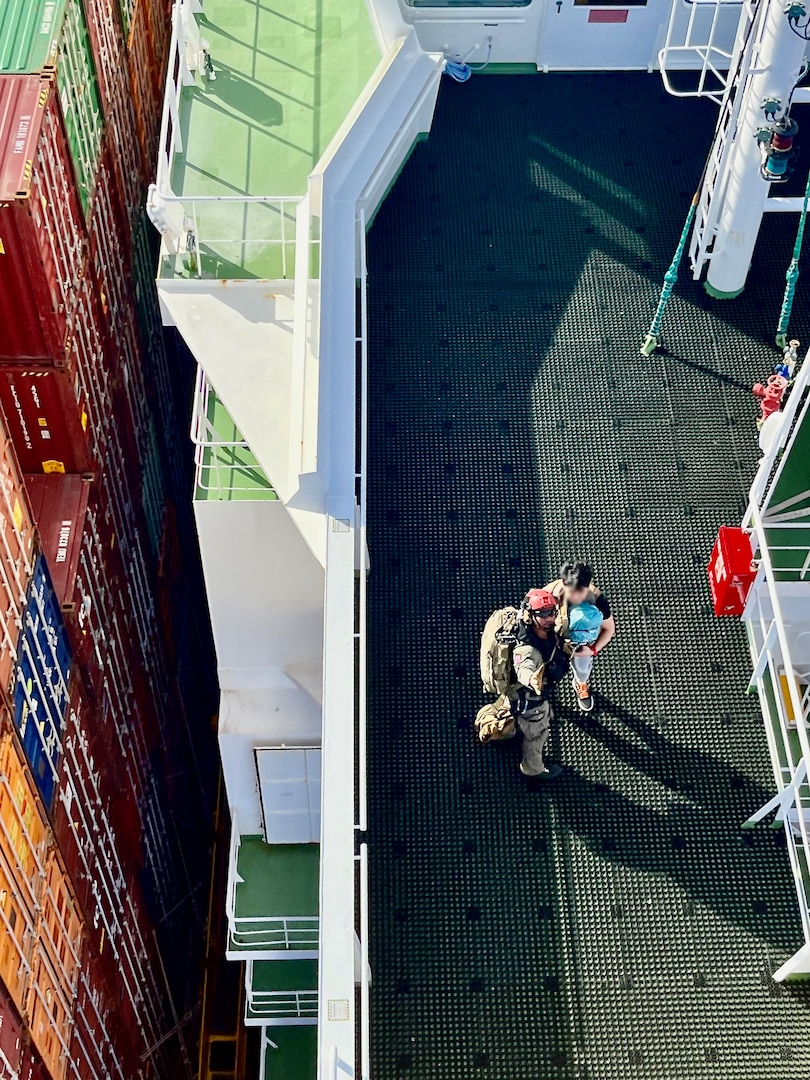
[[263, 932], [780, 674], [282, 1004], [362, 488], [698, 40], [217, 462], [278, 1004], [362, 667], [290, 932], [190, 224]]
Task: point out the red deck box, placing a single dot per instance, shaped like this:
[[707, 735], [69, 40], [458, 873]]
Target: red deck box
[[731, 571]]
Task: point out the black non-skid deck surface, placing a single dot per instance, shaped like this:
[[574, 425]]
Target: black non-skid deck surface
[[619, 923]]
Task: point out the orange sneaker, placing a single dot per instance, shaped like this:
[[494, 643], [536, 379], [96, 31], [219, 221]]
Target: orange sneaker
[[583, 693]]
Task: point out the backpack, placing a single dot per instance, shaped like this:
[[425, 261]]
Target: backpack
[[497, 645]]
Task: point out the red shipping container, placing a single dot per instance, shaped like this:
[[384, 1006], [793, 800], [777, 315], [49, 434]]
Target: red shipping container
[[43, 247], [47, 414], [32, 1066], [11, 1030], [160, 25], [16, 557], [96, 828], [108, 47], [59, 506], [62, 426], [98, 1015], [731, 571], [110, 243], [92, 603], [147, 77]]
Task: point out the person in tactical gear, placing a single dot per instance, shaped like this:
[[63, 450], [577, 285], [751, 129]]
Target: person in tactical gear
[[538, 662]]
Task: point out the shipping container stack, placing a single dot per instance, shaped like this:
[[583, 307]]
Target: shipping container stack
[[108, 761]]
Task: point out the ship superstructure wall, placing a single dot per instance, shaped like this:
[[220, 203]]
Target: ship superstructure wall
[[107, 687]]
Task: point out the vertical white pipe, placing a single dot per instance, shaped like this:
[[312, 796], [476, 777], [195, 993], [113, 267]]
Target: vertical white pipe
[[777, 67]]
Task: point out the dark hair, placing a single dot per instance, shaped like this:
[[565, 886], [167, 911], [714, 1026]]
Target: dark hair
[[576, 575]]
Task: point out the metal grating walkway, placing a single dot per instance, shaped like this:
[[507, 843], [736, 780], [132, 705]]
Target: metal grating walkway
[[619, 924]]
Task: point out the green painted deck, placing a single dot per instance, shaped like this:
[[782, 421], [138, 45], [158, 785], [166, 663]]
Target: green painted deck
[[276, 975], [287, 76], [229, 473], [619, 924], [296, 1056], [279, 879]]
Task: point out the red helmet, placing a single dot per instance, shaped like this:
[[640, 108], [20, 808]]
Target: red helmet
[[540, 600]]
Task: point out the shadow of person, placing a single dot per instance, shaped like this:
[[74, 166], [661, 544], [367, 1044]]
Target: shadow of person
[[691, 831], [245, 97]]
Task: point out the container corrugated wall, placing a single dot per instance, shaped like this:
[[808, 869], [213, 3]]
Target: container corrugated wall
[[11, 1036], [23, 843], [42, 246], [51, 37], [55, 964], [16, 555], [85, 381], [41, 677]]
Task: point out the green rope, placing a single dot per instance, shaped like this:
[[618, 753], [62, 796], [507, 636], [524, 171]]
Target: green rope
[[670, 278], [792, 275]]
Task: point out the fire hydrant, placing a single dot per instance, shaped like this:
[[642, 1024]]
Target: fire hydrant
[[771, 395]]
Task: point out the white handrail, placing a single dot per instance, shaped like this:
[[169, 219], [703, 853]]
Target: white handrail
[[233, 855], [362, 676], [275, 931], [779, 620], [365, 975], [766, 464]]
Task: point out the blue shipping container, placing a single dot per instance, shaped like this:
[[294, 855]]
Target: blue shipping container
[[41, 681]]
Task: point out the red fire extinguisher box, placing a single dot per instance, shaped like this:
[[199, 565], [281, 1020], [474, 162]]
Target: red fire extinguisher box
[[731, 571]]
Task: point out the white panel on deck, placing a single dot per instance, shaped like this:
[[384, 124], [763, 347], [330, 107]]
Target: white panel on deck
[[290, 788]]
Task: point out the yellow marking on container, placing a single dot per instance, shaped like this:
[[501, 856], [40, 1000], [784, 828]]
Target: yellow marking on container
[[52, 466], [84, 421], [17, 514]]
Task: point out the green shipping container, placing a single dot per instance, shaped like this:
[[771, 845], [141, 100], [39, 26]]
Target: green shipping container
[[127, 8], [51, 35]]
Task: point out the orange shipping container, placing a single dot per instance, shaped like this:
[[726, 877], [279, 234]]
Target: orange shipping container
[[55, 967], [16, 554], [23, 840]]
